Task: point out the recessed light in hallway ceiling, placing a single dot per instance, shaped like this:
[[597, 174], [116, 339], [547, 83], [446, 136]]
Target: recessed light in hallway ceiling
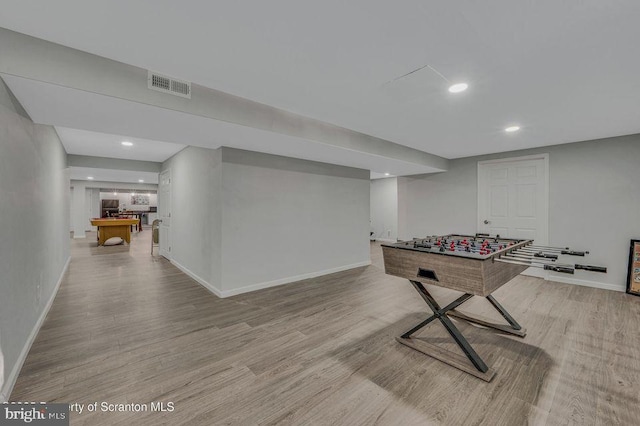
[[458, 87]]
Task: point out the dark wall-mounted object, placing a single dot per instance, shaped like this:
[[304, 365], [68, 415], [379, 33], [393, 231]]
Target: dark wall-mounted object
[[633, 277]]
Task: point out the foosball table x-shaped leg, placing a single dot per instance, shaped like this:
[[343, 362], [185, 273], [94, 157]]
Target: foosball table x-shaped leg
[[442, 314]]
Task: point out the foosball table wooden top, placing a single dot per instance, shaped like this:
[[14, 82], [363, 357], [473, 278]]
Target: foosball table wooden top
[[468, 272]]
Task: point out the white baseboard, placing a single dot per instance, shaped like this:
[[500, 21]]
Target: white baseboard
[[536, 272], [287, 280], [259, 286], [13, 376], [204, 283], [546, 275], [586, 283]]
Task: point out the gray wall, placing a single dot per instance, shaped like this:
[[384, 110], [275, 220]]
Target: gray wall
[[196, 211], [384, 209], [243, 220], [593, 201], [284, 219], [34, 211]]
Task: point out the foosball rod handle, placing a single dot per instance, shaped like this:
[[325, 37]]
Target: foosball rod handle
[[592, 268], [555, 268], [545, 255], [565, 250], [574, 253]]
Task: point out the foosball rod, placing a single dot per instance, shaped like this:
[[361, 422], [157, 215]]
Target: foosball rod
[[530, 258], [552, 264], [565, 250], [542, 260], [538, 254], [541, 264], [555, 268], [535, 260], [538, 251]]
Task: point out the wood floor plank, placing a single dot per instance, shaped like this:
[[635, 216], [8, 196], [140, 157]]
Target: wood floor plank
[[129, 327]]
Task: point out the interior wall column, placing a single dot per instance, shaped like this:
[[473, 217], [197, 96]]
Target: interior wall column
[[79, 214]]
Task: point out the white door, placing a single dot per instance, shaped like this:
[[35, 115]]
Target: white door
[[513, 198], [164, 212]]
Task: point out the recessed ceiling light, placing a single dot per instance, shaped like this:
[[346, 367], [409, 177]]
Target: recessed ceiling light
[[115, 193], [511, 129], [127, 143], [458, 87], [386, 174], [90, 177], [140, 180], [133, 193]]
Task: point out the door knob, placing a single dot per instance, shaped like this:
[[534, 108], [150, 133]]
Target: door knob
[[486, 222]]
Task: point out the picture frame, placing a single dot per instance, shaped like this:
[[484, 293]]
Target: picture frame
[[140, 199], [633, 276]]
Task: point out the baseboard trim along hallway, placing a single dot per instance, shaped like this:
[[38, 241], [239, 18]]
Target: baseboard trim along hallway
[[267, 284], [204, 283], [13, 375]]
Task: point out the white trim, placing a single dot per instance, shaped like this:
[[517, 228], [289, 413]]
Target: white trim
[[384, 240], [542, 156], [287, 280], [536, 272], [13, 376], [78, 238], [586, 283], [204, 283], [259, 286], [167, 253]]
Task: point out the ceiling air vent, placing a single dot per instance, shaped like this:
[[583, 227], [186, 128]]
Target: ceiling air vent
[[165, 84]]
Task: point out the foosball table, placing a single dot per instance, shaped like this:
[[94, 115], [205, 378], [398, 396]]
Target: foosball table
[[476, 266]]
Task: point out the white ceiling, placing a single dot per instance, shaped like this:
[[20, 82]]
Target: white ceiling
[[76, 109], [83, 142], [109, 175], [563, 70]]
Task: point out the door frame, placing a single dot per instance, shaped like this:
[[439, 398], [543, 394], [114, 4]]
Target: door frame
[[165, 253], [542, 156]]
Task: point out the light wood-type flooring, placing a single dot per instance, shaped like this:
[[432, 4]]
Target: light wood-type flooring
[[127, 327]]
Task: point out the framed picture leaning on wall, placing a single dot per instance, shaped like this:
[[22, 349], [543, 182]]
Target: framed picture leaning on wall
[[633, 277]]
